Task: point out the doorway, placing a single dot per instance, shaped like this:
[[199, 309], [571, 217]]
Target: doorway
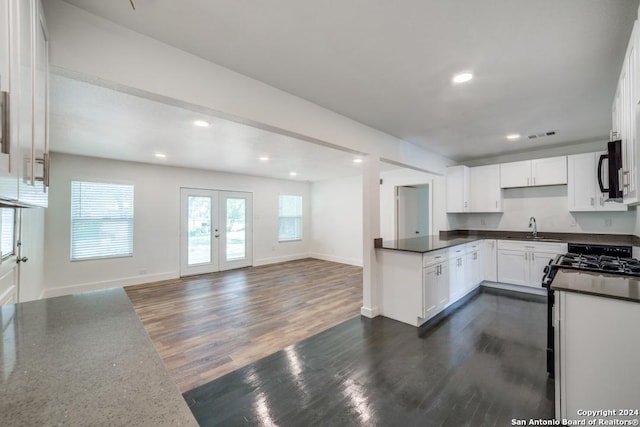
[[216, 230], [413, 218]]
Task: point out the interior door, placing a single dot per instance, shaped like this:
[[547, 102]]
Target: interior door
[[236, 232], [30, 252], [199, 231], [412, 211]]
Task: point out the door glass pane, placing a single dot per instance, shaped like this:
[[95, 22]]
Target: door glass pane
[[236, 234], [199, 230]]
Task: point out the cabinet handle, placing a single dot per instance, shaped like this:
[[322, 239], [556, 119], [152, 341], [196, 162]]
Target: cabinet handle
[[527, 181], [534, 180], [533, 256], [601, 201], [525, 256], [496, 203], [45, 161], [465, 204]]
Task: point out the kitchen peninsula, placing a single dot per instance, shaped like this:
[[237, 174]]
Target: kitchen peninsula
[[82, 360]]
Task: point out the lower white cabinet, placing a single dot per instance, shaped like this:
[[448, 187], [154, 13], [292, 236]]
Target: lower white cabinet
[[489, 251], [457, 276], [473, 267], [435, 289], [522, 263]]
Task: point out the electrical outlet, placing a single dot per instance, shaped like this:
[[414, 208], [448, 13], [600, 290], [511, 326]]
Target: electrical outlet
[[607, 222]]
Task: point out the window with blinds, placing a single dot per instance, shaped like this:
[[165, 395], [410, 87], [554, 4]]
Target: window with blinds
[[101, 220], [289, 218], [7, 231]]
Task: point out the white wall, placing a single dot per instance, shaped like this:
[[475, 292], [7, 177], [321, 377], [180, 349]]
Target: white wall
[[392, 179], [156, 228], [336, 218], [549, 205]]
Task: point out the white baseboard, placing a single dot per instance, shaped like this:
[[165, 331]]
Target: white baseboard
[[516, 288], [116, 283], [8, 296], [370, 312], [275, 260], [341, 260]]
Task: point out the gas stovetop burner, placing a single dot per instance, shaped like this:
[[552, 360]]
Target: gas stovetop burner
[[604, 263]]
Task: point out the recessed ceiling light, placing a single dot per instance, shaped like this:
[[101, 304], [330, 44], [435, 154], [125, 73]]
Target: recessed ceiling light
[[462, 77], [201, 123], [160, 155], [263, 158], [292, 174], [358, 160], [513, 136]]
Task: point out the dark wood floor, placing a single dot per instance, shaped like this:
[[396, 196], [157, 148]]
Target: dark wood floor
[[483, 365], [209, 325]]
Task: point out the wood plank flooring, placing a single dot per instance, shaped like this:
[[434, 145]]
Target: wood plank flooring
[[484, 365], [209, 325]]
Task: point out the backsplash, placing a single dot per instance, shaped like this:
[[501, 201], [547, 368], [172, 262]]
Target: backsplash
[[549, 206]]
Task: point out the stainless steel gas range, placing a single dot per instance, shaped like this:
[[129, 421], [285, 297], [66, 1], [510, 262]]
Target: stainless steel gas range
[[587, 258]]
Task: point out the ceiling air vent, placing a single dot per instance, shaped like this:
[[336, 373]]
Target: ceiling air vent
[[542, 134]]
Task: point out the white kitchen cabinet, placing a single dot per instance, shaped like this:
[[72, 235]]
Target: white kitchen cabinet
[[457, 189], [457, 276], [583, 190], [513, 266], [34, 100], [522, 263], [5, 25], [435, 285], [473, 266], [532, 173], [596, 354], [489, 253], [625, 117], [485, 194]]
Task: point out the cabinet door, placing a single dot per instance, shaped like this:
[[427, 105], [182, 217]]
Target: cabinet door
[[549, 171], [4, 45], [457, 189], [443, 286], [32, 187], [513, 267], [430, 292], [489, 261], [539, 260], [485, 194], [629, 147], [456, 278], [581, 182], [515, 174]]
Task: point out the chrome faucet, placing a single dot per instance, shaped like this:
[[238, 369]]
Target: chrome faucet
[[534, 225]]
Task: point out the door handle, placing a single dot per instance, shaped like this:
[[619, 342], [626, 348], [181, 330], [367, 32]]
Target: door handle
[[23, 259]]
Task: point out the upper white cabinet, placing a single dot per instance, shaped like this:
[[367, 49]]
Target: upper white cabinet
[[475, 189], [583, 190], [485, 193], [625, 115], [537, 172], [457, 189], [24, 158]]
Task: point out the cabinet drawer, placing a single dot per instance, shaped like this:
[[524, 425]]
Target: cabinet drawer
[[435, 257]]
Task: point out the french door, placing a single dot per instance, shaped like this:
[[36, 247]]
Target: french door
[[216, 231]]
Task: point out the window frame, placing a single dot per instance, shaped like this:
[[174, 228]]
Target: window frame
[[14, 234], [299, 237], [71, 219]]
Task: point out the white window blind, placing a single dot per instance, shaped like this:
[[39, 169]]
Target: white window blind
[[289, 218], [101, 220], [7, 231]]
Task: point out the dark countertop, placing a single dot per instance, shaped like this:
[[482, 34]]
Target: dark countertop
[[599, 284], [585, 238], [423, 244], [459, 237], [83, 360]]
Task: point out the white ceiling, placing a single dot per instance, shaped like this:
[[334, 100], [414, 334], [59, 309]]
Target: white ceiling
[[92, 120], [539, 65]]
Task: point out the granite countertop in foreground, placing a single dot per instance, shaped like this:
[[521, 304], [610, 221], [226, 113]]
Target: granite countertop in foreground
[[83, 360], [424, 244], [597, 284]]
